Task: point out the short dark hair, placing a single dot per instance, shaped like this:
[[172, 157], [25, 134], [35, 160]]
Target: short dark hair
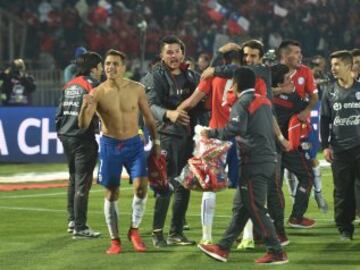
[[204, 55], [355, 52], [85, 62], [171, 39], [116, 53], [235, 55], [245, 78], [285, 45], [278, 72], [344, 55], [254, 44]]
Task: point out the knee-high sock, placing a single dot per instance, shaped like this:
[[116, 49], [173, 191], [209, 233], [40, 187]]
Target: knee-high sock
[[207, 214], [138, 207], [111, 212], [292, 182], [248, 231], [317, 178]]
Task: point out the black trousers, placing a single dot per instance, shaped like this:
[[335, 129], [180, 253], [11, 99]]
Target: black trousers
[[249, 202], [81, 156], [345, 169], [276, 200], [357, 196], [296, 163], [179, 150]]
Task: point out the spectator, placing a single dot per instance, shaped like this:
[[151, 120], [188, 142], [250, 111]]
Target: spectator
[[203, 62], [16, 85], [70, 70]]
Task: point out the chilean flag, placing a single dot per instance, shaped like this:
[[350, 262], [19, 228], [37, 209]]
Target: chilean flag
[[238, 24], [216, 11]]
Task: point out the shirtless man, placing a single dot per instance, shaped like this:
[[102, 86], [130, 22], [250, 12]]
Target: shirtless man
[[118, 102]]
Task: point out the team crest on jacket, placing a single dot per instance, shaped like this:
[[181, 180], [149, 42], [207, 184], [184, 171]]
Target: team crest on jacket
[[301, 80], [337, 106]]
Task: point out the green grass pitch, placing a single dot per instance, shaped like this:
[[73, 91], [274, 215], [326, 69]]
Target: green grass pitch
[[33, 236]]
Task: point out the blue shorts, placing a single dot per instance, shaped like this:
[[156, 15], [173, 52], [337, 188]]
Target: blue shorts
[[233, 162], [314, 136], [116, 154]]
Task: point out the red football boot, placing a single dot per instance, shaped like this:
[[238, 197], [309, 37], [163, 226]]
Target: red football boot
[[136, 240], [115, 247]]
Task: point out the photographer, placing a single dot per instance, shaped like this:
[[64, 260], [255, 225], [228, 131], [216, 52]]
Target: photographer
[[16, 85]]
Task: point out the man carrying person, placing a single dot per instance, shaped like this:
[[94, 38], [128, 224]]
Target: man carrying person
[[217, 88], [299, 100], [322, 80], [118, 102], [340, 133], [252, 124], [252, 52]]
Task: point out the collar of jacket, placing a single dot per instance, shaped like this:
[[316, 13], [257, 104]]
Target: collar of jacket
[[250, 90], [189, 74]]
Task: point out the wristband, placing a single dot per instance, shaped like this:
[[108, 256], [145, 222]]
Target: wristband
[[157, 142], [140, 131]]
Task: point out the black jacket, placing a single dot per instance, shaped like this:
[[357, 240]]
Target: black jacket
[[250, 123], [162, 93], [69, 108], [17, 88], [227, 71]]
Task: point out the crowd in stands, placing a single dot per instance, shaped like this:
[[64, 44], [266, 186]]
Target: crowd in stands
[[57, 27]]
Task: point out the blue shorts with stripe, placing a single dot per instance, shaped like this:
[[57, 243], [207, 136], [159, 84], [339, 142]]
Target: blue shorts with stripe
[[116, 154]]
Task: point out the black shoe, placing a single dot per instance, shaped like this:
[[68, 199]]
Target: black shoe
[[179, 240], [346, 236], [86, 233], [158, 239]]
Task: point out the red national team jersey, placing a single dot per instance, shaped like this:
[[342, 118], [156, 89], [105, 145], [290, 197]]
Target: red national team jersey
[[304, 82], [220, 111], [223, 98], [260, 86]]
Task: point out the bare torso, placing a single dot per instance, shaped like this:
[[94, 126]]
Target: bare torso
[[118, 108]]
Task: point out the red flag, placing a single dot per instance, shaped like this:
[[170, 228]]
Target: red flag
[[238, 24], [217, 12]]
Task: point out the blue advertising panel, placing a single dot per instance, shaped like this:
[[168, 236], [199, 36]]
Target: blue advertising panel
[[27, 134]]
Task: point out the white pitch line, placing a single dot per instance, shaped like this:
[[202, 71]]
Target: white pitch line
[[50, 194], [32, 209]]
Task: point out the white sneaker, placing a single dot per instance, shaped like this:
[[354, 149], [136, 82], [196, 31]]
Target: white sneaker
[[71, 226], [87, 233]]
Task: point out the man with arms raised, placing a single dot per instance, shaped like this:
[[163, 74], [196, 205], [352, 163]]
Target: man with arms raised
[[118, 102]]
